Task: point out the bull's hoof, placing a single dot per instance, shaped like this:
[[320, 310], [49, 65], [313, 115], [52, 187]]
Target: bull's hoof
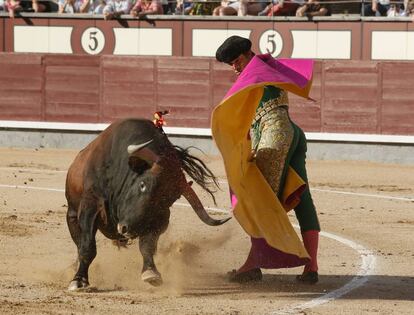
[[78, 285], [153, 277]]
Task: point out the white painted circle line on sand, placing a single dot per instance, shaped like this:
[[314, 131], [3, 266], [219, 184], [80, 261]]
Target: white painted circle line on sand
[[31, 170], [31, 187], [350, 193], [362, 195], [367, 265]]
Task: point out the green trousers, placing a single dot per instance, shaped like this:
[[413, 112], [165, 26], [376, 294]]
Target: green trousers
[[278, 143], [305, 211]]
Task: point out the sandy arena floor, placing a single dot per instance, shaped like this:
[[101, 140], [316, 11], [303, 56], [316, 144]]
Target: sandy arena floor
[[366, 251]]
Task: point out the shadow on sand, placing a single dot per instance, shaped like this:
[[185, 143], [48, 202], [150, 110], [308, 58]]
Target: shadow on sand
[[380, 287]]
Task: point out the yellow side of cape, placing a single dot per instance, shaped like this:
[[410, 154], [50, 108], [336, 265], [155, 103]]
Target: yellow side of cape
[[258, 210]]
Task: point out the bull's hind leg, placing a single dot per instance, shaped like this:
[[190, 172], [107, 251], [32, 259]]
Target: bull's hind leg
[[85, 241], [148, 248]]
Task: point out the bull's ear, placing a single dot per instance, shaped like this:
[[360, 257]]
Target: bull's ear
[[142, 158], [138, 165]]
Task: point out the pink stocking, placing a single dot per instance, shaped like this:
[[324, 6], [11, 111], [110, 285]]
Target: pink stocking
[[311, 240]]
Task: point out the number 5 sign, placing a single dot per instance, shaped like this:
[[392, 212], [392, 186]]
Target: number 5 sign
[[271, 42], [93, 40]]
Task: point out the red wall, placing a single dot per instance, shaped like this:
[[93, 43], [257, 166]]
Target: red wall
[[351, 96]]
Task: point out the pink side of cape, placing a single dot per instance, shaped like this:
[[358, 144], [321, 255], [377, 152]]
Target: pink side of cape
[[262, 255], [265, 68]]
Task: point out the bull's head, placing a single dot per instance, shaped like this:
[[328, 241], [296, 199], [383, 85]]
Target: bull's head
[[162, 176]]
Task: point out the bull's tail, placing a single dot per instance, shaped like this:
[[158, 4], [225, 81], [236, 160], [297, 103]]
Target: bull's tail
[[198, 171]]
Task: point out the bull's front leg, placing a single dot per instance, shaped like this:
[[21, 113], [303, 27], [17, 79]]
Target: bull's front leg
[[87, 243], [148, 248]]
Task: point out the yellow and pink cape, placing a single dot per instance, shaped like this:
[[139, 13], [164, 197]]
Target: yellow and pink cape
[[258, 210]]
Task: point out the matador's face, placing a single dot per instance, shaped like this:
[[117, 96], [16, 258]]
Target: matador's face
[[241, 62]]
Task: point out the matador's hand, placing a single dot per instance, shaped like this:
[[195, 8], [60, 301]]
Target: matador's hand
[[252, 156]]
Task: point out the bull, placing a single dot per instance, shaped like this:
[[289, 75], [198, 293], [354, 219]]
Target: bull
[[123, 184]]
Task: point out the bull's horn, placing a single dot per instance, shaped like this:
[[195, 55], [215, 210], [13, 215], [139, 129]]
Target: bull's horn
[[134, 147], [197, 206]]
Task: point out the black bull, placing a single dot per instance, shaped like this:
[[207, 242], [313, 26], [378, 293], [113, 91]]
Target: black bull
[[123, 183]]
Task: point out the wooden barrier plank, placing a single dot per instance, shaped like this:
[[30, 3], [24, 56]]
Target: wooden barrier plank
[[71, 88], [350, 97], [21, 78], [397, 99], [128, 88], [183, 86], [222, 77], [307, 113]]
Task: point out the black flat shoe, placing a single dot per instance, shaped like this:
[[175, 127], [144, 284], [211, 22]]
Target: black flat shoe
[[309, 277], [243, 277]]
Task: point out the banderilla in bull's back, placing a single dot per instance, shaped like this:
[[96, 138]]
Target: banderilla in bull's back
[[123, 184], [159, 120]]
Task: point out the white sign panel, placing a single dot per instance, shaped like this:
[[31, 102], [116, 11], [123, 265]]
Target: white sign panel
[[321, 44], [392, 45], [143, 41], [42, 39], [206, 41]]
